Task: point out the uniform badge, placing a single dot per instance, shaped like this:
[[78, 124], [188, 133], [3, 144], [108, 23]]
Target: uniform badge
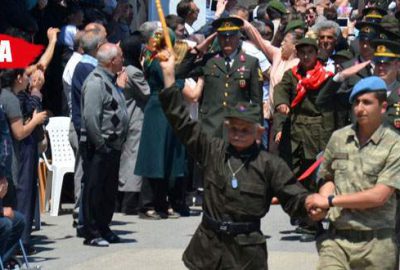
[[260, 75], [242, 58], [242, 83]]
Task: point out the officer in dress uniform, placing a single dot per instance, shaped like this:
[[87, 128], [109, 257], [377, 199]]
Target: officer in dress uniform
[[387, 54], [230, 76]]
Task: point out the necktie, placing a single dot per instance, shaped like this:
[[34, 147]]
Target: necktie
[[228, 63]]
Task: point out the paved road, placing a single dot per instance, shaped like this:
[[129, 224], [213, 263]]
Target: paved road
[[153, 245]]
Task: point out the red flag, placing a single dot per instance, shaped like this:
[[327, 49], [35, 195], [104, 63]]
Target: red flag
[[17, 53]]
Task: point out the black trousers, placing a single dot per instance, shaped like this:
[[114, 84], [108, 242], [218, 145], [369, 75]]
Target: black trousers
[[26, 183], [155, 191], [100, 192]]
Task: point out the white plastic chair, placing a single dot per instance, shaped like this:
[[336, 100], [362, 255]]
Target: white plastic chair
[[62, 158]]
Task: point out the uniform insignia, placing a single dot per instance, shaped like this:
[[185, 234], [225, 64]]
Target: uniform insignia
[[381, 49], [242, 83], [340, 155], [242, 58], [260, 75]]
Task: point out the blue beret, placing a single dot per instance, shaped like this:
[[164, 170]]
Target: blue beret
[[369, 84]]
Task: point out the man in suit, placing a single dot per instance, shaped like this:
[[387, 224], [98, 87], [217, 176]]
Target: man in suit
[[341, 87], [230, 76]]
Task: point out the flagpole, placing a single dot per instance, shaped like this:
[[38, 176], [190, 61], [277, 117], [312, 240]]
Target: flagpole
[[164, 25]]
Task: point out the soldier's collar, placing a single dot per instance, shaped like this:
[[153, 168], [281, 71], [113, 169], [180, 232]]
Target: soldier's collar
[[232, 55], [251, 151], [375, 138]]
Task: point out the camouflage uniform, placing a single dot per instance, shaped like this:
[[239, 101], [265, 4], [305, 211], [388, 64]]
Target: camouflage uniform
[[361, 239]]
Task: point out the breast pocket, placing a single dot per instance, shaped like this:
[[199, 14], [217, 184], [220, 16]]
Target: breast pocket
[[252, 198], [371, 170]]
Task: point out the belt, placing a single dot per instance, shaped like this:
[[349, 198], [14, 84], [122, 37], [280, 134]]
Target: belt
[[359, 235], [229, 227]]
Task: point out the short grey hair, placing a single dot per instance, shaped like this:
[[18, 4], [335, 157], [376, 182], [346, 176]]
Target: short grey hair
[[91, 40], [148, 28], [325, 25], [106, 53]]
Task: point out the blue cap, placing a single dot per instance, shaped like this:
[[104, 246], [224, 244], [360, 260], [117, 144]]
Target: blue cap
[[369, 84]]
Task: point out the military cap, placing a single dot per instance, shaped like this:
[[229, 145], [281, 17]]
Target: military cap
[[368, 30], [278, 6], [228, 26], [294, 24], [390, 28], [249, 112], [307, 41], [373, 14], [368, 84], [385, 50]]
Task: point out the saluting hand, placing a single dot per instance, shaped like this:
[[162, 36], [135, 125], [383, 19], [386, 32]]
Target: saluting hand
[[350, 71]]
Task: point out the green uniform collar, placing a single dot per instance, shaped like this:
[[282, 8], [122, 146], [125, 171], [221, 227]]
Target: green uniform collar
[[375, 138]]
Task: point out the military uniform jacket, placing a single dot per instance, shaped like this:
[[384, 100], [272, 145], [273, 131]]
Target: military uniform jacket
[[355, 168], [223, 88], [334, 96], [392, 116], [262, 177], [310, 127]]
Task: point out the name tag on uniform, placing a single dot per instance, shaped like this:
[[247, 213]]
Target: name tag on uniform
[[339, 155]]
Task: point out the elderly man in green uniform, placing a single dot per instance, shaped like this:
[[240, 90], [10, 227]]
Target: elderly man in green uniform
[[240, 179], [295, 106], [230, 76], [302, 130], [361, 170]]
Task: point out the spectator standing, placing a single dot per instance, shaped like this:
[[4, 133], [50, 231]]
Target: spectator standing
[[12, 223], [25, 156], [161, 157], [94, 34], [136, 93], [104, 129]]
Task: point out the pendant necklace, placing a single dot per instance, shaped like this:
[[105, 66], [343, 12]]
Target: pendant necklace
[[234, 181]]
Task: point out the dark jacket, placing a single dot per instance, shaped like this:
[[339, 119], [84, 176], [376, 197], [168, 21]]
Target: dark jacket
[[223, 88], [262, 177]]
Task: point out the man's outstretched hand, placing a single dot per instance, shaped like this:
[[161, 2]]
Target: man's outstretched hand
[[317, 206]]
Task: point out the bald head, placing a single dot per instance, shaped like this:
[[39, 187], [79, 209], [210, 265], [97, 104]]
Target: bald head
[[110, 57], [96, 27]]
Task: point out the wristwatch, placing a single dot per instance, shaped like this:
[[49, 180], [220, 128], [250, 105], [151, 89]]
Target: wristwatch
[[330, 200]]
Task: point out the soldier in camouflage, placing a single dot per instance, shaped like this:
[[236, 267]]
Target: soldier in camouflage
[[361, 168]]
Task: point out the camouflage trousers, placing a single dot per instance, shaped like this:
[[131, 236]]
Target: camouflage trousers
[[354, 250]]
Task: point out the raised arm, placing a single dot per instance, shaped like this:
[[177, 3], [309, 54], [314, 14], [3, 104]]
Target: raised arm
[[265, 46]]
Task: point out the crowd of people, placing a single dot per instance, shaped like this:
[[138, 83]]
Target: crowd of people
[[295, 102]]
